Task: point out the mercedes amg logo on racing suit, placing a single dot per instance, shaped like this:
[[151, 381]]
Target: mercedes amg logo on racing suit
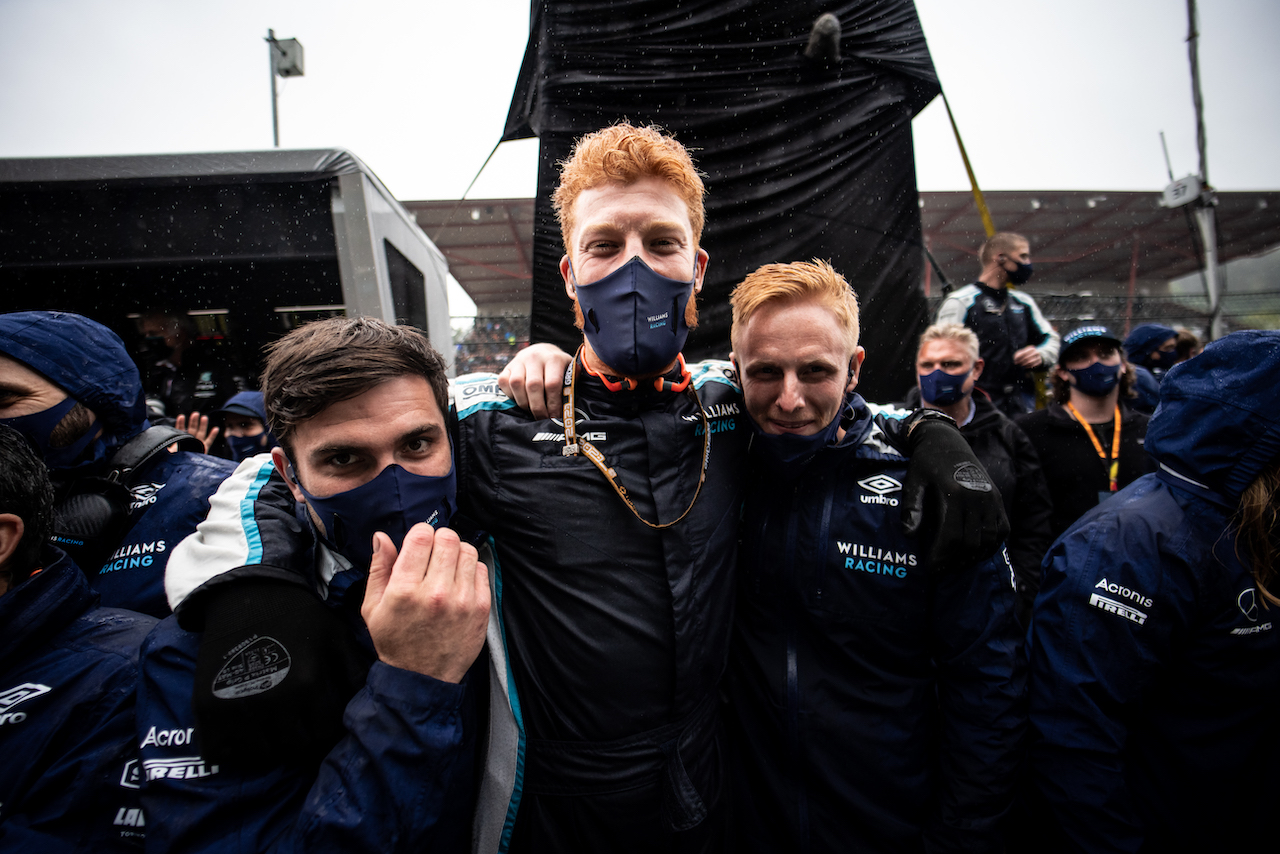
[[1248, 604]]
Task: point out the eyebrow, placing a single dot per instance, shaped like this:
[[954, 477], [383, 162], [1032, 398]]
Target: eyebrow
[[429, 431], [611, 225]]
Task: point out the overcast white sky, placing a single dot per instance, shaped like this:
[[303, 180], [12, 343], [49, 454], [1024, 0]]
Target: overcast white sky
[[1050, 94]]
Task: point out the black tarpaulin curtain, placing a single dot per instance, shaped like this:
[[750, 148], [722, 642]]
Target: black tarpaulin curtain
[[803, 159]]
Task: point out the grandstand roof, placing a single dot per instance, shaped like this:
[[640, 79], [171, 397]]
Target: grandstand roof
[[1080, 238], [1088, 238]]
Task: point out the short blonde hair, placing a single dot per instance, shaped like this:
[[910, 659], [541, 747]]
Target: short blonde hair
[[624, 154], [962, 335], [1001, 241], [816, 280]]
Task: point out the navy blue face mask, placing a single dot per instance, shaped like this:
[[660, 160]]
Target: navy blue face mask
[[393, 502], [1097, 380], [38, 428], [790, 448], [943, 388], [1021, 274], [243, 447], [634, 318]]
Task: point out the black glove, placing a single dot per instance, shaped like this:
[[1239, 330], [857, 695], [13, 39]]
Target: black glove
[[949, 503], [275, 672]]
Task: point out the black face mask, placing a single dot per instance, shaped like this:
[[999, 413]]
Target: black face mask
[[1021, 273], [153, 348]]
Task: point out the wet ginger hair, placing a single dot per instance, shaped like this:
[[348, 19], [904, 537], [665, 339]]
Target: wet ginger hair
[[802, 280], [623, 154]]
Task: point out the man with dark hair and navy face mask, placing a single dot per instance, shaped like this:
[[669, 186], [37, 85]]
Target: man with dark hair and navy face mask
[[1015, 338], [123, 501], [400, 602], [1090, 442]]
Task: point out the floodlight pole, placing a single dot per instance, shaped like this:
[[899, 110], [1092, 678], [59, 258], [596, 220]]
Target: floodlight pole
[[1206, 218], [275, 118]]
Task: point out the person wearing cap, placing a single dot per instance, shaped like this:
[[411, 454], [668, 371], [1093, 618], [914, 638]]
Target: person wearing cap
[[947, 370], [244, 425], [122, 501], [1089, 440], [68, 680], [1155, 643], [1152, 349], [1015, 337]]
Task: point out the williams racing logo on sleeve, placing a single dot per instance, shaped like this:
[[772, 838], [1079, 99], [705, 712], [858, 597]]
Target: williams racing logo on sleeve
[[14, 696], [1121, 602], [879, 488]]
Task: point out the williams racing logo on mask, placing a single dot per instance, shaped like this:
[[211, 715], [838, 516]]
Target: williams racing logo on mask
[[14, 696], [252, 667], [879, 488]]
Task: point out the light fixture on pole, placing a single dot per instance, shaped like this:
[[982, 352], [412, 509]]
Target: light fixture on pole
[[286, 61]]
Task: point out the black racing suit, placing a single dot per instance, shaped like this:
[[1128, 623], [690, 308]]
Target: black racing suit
[[618, 632]]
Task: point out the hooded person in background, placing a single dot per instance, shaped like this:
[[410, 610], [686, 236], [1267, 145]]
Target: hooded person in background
[[244, 425], [947, 369], [1151, 350], [1155, 647], [68, 674], [122, 501], [1089, 441]]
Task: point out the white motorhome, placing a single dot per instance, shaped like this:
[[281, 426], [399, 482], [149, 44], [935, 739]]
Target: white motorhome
[[249, 244]]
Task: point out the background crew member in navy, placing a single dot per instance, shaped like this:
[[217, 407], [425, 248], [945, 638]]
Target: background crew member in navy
[[1091, 444], [1151, 349], [1015, 337], [1155, 645], [244, 425], [947, 368], [68, 677], [876, 704], [359, 409], [616, 524], [123, 502]]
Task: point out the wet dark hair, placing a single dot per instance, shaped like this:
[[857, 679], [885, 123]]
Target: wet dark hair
[[337, 359], [26, 492]]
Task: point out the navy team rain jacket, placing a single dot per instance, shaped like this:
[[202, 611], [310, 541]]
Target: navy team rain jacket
[[1155, 663]]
